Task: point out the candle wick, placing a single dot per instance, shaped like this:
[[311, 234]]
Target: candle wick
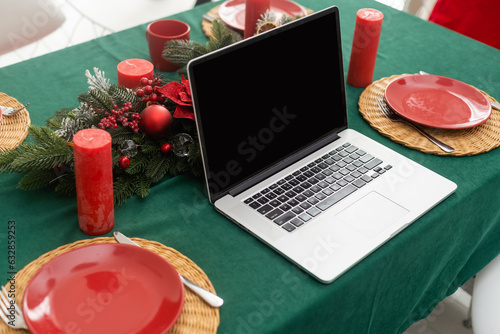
[[89, 139], [131, 64]]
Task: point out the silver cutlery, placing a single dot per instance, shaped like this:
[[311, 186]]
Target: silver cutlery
[[8, 111], [390, 114], [210, 298], [10, 313], [494, 104]]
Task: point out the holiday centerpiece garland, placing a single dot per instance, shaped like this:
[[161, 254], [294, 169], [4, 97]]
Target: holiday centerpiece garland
[[153, 128], [148, 140]]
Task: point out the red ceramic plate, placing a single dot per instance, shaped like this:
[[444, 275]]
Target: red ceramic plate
[[438, 101], [232, 12], [104, 288]]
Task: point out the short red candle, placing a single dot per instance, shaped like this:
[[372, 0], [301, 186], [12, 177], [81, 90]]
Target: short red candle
[[131, 71], [94, 181], [253, 11], [364, 47]]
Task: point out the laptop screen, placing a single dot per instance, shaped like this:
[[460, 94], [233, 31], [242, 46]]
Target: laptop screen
[[263, 100]]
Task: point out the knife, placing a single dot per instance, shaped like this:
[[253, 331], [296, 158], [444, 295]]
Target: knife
[[210, 298], [494, 104]]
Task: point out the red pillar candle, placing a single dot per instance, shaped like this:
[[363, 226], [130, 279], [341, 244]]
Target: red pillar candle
[[253, 10], [94, 181], [364, 47], [131, 71]]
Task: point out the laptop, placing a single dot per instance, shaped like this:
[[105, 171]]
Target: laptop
[[279, 158]]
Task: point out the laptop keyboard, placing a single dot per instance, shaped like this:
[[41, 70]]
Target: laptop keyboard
[[306, 193]]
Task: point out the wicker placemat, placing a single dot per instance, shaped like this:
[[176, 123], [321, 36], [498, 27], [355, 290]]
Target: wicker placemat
[[206, 25], [196, 316], [13, 129], [480, 139]]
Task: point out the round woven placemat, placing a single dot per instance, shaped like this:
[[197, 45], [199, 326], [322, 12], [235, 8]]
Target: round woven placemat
[[206, 25], [480, 139], [13, 129], [196, 317]]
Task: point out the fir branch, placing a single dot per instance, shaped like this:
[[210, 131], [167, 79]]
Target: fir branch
[[66, 185], [78, 119], [150, 149], [46, 137], [97, 99], [120, 134], [221, 36], [180, 52], [40, 158], [115, 158], [98, 80], [287, 19], [123, 188], [47, 149], [142, 186], [6, 160], [157, 168], [121, 95], [138, 164], [54, 122], [36, 179]]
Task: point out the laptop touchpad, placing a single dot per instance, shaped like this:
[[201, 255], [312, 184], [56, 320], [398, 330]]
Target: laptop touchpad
[[372, 214]]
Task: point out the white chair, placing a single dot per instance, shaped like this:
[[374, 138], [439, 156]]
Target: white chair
[[23, 22], [485, 306]]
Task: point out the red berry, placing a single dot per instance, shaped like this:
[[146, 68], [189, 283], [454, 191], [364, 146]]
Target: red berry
[[144, 81], [139, 92], [153, 97], [124, 162], [148, 90], [165, 148]]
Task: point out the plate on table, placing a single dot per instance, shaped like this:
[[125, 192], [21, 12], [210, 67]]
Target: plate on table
[[232, 12], [438, 102], [104, 288]]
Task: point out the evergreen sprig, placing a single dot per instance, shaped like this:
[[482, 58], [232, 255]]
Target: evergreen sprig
[[180, 52], [46, 150]]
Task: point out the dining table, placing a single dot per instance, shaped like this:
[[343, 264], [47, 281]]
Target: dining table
[[397, 285]]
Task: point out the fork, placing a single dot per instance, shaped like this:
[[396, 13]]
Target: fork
[[8, 111], [11, 314], [390, 114]]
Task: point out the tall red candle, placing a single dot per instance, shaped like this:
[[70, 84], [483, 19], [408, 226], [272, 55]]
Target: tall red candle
[[364, 47], [131, 71], [253, 10], [94, 181]]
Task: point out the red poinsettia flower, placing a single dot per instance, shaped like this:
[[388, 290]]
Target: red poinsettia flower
[[180, 93]]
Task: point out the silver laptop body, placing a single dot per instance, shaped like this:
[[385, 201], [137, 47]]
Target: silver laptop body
[[271, 110]]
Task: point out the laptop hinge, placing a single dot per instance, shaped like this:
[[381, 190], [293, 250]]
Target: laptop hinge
[[250, 182]]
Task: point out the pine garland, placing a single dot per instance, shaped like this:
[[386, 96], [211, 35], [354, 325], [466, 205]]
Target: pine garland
[[47, 159]]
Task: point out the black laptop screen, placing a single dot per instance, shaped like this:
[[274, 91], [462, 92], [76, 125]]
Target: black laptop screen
[[265, 99]]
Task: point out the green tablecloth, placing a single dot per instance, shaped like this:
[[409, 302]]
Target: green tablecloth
[[264, 293]]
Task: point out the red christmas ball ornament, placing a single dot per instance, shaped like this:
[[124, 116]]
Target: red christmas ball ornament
[[165, 148], [124, 162], [156, 121]]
